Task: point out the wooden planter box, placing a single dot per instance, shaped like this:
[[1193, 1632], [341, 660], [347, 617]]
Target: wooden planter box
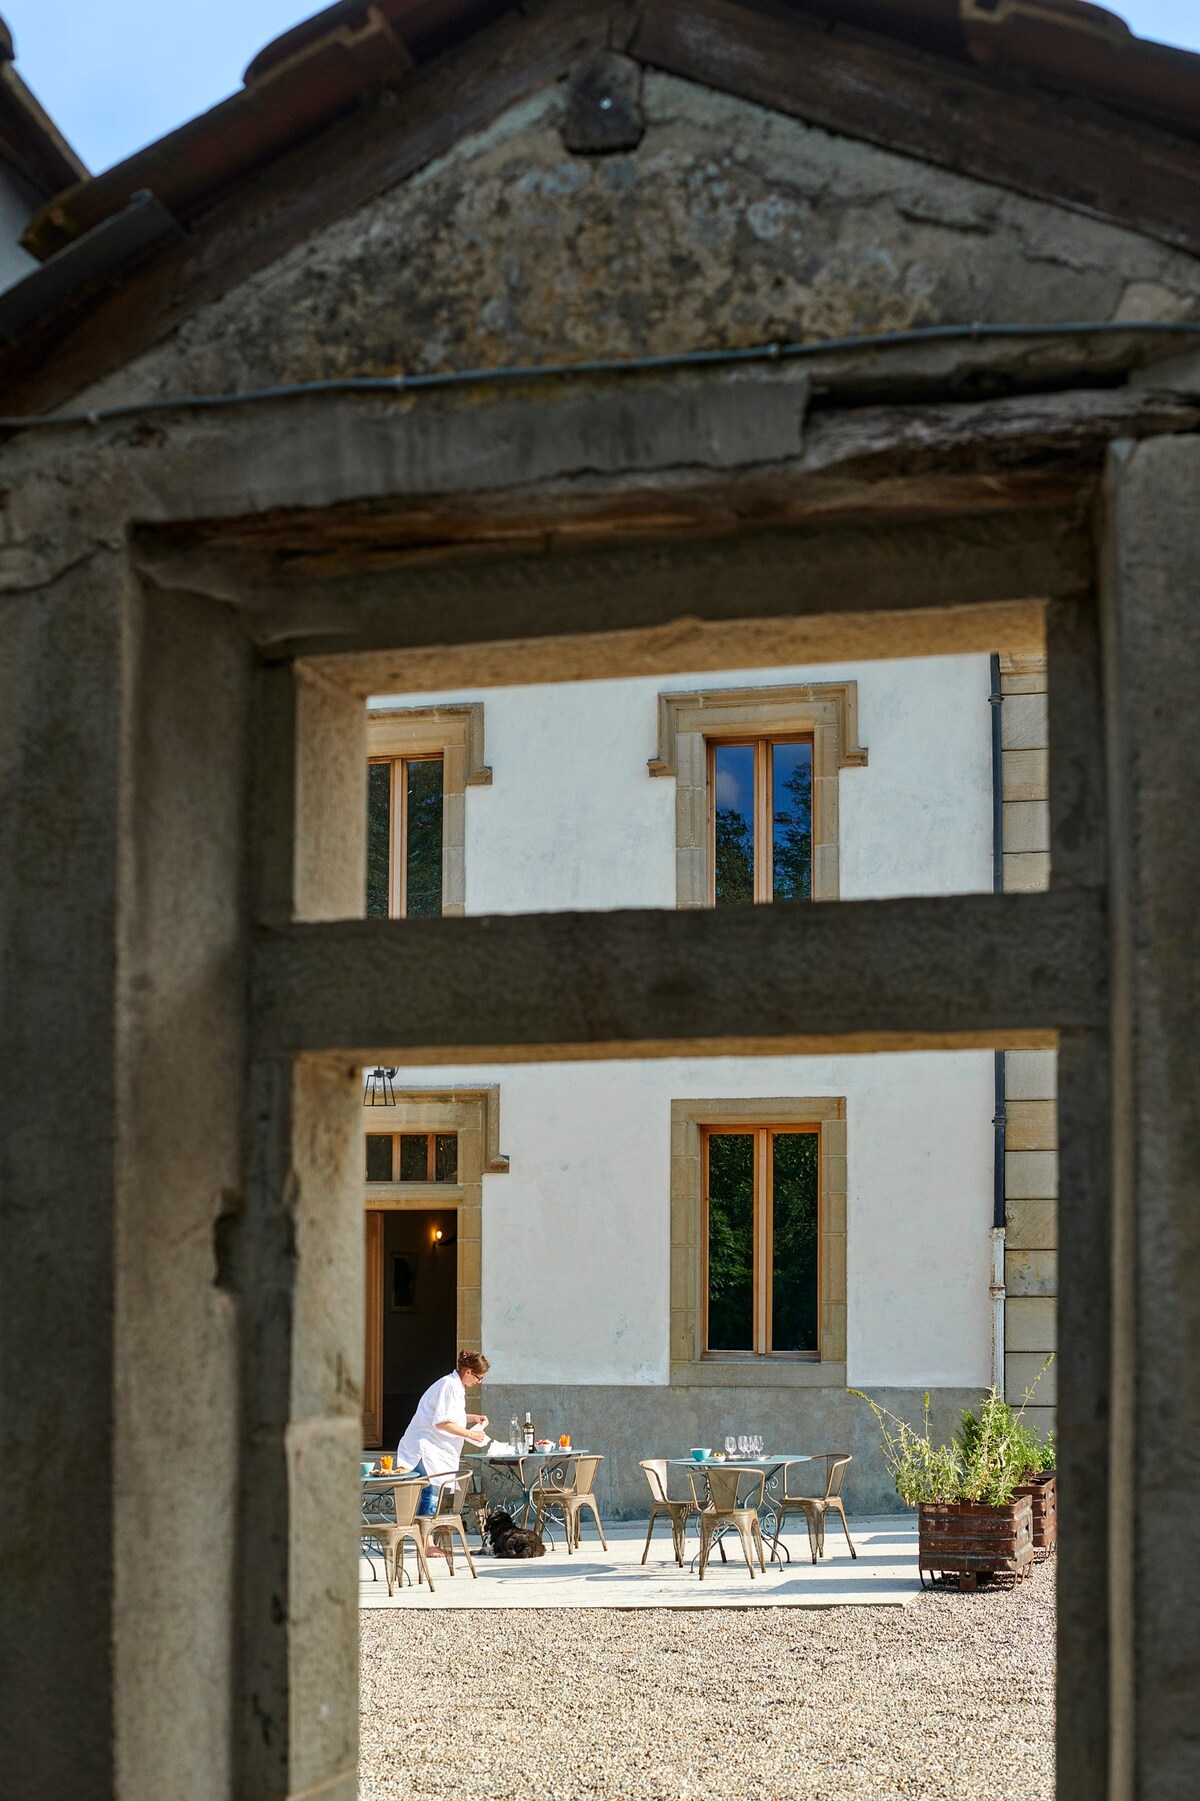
[[968, 1540], [1043, 1496]]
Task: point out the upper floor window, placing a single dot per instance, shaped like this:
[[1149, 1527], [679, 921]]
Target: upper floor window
[[761, 1224], [404, 837], [421, 762], [761, 813], [756, 775]]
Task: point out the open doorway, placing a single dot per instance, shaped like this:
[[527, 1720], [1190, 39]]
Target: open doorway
[[411, 1313]]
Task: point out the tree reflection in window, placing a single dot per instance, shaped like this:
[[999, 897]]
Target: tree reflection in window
[[405, 830], [761, 809]]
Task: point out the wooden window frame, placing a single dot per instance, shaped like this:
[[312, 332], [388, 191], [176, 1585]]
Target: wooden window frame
[[691, 1364], [398, 833], [764, 811], [429, 1180], [763, 1230], [455, 734]]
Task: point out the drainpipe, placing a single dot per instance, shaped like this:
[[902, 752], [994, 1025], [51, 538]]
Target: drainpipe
[[995, 701]]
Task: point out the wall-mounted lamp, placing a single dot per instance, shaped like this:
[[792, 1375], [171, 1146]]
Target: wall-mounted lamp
[[379, 1091], [443, 1238]]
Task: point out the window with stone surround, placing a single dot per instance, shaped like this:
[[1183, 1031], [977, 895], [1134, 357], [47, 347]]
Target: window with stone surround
[[756, 796], [761, 1222], [758, 1241], [421, 760]]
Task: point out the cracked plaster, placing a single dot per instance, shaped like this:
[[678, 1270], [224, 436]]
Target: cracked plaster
[[730, 225]]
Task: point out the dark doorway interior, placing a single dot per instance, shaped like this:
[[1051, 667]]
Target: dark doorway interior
[[420, 1302]]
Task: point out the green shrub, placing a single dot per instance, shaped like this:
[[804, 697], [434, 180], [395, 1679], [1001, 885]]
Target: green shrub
[[990, 1455]]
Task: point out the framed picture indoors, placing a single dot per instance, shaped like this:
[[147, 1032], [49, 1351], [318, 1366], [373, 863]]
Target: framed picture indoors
[[406, 1270]]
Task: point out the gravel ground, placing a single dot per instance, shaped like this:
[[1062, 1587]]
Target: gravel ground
[[950, 1697]]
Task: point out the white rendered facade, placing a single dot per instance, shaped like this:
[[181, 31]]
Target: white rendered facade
[[576, 1235]]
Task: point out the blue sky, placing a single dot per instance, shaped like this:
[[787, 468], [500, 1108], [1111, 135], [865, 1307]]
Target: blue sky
[[116, 74]]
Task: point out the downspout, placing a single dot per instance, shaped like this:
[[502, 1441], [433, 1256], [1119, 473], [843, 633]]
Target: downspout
[[995, 702]]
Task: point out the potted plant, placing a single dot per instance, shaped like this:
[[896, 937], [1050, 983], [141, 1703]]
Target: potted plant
[[971, 1519], [1039, 1480]]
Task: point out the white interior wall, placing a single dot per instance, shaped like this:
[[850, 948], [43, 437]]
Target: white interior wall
[[576, 1236]]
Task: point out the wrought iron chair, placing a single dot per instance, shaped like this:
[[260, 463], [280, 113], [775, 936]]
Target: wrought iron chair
[[815, 1507], [389, 1530], [570, 1497], [731, 1502], [663, 1507], [446, 1522]]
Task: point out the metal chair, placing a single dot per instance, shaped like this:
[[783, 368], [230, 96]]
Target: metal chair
[[389, 1534], [570, 1498], [663, 1507], [733, 1498], [446, 1522], [815, 1507], [476, 1506]]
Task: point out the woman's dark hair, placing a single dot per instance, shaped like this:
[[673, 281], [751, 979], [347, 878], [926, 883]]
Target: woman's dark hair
[[473, 1363]]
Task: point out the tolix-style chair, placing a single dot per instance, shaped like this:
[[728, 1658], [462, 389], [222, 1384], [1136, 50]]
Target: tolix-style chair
[[733, 1498], [389, 1530], [816, 1507], [663, 1507], [446, 1522], [570, 1498]]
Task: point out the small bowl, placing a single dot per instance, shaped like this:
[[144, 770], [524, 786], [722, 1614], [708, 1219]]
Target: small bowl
[[701, 1453], [545, 1444]]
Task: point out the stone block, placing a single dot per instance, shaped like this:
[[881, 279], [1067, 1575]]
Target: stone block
[[1024, 722], [1031, 1175], [1025, 774], [1031, 1272], [1031, 1225], [1031, 1125], [1026, 872], [1031, 1075], [1026, 825], [1031, 1323], [1022, 1369]]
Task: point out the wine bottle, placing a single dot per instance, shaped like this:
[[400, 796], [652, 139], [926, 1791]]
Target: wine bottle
[[529, 1439]]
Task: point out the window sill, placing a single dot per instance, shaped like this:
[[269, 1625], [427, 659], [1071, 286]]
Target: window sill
[[764, 1372]]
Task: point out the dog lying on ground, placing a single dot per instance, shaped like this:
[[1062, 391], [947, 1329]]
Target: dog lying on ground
[[509, 1539]]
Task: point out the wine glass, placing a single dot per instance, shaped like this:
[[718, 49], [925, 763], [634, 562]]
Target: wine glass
[[756, 1444], [743, 1444], [730, 1444]]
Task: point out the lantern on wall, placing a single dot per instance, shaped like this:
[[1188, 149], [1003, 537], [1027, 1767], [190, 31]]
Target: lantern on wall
[[379, 1091]]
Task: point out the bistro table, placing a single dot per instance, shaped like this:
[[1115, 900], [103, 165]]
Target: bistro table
[[775, 1468], [522, 1471]]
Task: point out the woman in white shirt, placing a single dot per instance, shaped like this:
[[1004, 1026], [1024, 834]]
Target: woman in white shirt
[[433, 1443]]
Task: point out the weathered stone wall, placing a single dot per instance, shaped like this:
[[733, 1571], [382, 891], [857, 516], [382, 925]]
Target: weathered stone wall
[[729, 225]]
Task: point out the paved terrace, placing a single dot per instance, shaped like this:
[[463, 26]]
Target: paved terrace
[[883, 1575]]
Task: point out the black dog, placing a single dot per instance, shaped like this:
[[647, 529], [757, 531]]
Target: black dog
[[509, 1539]]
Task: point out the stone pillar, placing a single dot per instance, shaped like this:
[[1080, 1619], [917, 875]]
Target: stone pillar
[[124, 719], [1151, 618], [297, 1264]]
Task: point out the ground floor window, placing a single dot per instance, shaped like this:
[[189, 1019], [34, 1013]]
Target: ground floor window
[[758, 1241], [412, 1156], [761, 1233]]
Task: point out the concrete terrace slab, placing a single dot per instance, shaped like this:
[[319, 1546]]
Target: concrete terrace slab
[[883, 1575]]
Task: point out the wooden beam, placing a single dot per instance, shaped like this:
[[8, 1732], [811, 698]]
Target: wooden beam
[[946, 972], [957, 584], [1061, 148]]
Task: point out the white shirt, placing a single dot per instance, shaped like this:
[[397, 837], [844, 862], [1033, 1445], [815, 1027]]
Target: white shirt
[[438, 1452]]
